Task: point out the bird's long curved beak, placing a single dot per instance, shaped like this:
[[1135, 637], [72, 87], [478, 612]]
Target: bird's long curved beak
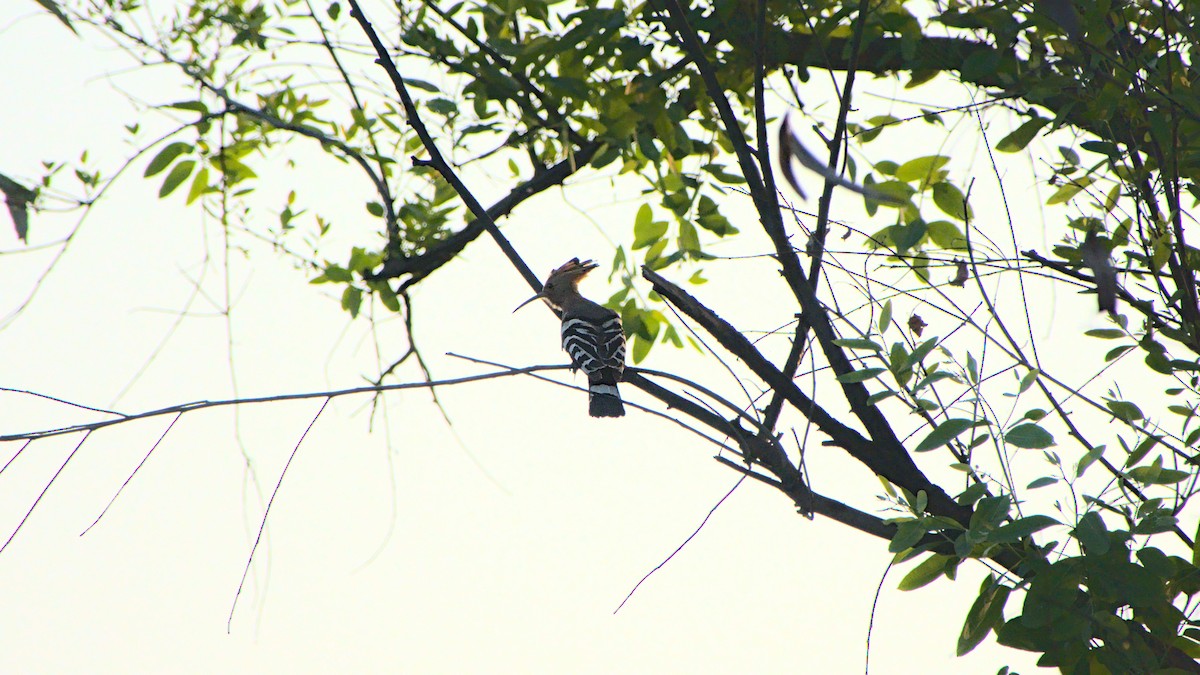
[[539, 296]]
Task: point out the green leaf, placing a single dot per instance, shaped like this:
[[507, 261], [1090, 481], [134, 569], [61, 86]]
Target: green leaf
[[1019, 138], [1139, 453], [907, 535], [1155, 474], [338, 274], [442, 106], [1124, 410], [1089, 458], [53, 8], [1117, 352], [646, 230], [1092, 533], [649, 149], [165, 156], [421, 84], [920, 168], [718, 171], [388, 298], [898, 359], [18, 198], [982, 63], [935, 377], [672, 336], [973, 493], [689, 239], [190, 106], [1050, 600], [641, 348], [606, 155], [909, 235], [946, 234], [175, 177], [990, 512], [1021, 528], [879, 396], [927, 571], [944, 433], [375, 209], [922, 350], [1028, 380], [1106, 333], [877, 124], [857, 343], [986, 613], [1196, 546], [951, 201], [1030, 436], [860, 375], [352, 300], [1042, 482], [920, 267], [199, 185], [1066, 192], [885, 316], [1102, 148]]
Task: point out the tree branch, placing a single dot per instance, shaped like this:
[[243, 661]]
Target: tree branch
[[895, 465], [219, 403], [436, 160], [421, 266]]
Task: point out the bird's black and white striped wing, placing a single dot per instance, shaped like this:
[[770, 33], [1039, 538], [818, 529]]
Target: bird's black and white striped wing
[[596, 346]]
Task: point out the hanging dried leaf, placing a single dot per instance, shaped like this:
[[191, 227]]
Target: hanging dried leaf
[[916, 324], [960, 273]]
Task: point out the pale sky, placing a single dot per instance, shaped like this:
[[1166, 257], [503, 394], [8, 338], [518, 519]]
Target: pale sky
[[501, 545]]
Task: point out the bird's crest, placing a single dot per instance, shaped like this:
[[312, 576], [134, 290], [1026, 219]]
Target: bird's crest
[[571, 271]]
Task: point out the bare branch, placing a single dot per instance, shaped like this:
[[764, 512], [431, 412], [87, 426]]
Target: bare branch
[[201, 405]]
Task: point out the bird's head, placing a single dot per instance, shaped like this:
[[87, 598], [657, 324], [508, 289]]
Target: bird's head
[[562, 283]]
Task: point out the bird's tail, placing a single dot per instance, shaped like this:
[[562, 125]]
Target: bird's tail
[[605, 401]]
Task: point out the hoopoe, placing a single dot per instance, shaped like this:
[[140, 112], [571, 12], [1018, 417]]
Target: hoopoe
[[591, 335], [791, 148]]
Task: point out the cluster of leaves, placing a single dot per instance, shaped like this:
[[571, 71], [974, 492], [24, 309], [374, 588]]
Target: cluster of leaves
[[1117, 603], [1105, 609]]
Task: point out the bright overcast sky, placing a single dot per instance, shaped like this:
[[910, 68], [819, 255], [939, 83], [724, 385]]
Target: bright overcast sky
[[503, 544]]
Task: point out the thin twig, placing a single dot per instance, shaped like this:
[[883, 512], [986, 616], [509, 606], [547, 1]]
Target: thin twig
[[63, 401], [132, 473], [267, 511], [679, 548], [45, 489]]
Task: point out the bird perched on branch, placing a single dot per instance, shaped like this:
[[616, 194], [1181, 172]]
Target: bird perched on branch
[[591, 335], [1094, 251]]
